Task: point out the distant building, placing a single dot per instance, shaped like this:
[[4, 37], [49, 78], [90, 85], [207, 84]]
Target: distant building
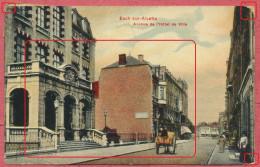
[[240, 93], [207, 129], [58, 75], [204, 131]]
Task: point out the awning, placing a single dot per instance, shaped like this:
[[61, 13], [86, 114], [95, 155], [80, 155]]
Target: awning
[[185, 129]]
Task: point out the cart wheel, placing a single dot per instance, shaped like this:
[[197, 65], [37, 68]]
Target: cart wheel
[[157, 148]]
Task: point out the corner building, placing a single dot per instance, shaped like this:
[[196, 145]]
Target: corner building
[[56, 80]]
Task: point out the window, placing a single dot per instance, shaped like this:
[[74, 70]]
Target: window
[[84, 25], [25, 11], [42, 53], [74, 18], [85, 73], [57, 60], [56, 21], [75, 45], [162, 92], [21, 10], [20, 41], [75, 63], [41, 16], [86, 50]]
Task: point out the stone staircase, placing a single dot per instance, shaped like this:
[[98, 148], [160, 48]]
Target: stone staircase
[[78, 145]]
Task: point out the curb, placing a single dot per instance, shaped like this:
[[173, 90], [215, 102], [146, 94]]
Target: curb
[[210, 157]]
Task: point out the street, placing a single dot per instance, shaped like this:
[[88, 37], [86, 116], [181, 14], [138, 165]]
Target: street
[[205, 147]]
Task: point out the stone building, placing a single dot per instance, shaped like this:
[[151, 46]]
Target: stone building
[[240, 94], [48, 82], [174, 97], [222, 121]]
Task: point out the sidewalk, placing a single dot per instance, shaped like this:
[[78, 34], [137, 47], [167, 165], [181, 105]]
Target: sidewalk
[[226, 158], [102, 152]]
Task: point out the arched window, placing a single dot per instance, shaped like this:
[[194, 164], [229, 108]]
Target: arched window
[[50, 109], [19, 100]]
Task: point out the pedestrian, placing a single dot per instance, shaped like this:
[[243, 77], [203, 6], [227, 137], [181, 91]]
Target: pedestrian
[[222, 142], [242, 146]]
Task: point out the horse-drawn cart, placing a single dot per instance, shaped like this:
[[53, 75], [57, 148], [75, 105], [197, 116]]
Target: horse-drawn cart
[[169, 142]]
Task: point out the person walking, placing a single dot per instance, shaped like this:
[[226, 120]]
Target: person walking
[[222, 142], [242, 146]]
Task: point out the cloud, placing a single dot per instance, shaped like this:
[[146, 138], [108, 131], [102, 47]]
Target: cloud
[[209, 27]]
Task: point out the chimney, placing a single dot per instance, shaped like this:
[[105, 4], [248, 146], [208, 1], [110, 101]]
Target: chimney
[[141, 58], [122, 59]]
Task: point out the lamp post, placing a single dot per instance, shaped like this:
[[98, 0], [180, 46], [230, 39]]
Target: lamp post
[[105, 115], [56, 105]]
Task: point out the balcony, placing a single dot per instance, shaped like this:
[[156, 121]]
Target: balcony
[[162, 101], [155, 100], [38, 67]]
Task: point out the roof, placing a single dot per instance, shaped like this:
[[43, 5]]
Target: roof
[[130, 61]]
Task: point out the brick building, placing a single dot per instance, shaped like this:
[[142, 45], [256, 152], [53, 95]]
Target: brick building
[[126, 92], [59, 74], [135, 98]]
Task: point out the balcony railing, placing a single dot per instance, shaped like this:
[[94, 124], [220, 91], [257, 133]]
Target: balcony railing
[[40, 67], [19, 67]]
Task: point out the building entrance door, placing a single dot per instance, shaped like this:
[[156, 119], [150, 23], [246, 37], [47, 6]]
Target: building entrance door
[[69, 109]]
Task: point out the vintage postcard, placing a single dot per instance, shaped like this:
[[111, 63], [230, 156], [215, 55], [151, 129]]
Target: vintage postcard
[[129, 84]]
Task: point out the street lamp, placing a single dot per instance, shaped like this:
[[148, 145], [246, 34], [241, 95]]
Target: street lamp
[[56, 105], [105, 115]]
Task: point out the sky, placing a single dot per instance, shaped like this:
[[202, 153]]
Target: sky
[[209, 27]]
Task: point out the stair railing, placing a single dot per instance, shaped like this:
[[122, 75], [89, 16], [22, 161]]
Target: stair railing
[[48, 138], [98, 136], [36, 139]]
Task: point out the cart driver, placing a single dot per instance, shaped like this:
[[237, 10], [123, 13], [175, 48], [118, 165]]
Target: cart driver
[[164, 132]]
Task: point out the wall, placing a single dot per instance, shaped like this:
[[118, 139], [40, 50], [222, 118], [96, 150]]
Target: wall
[[123, 92]]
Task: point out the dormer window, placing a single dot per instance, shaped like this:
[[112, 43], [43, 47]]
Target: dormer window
[[84, 25], [74, 18]]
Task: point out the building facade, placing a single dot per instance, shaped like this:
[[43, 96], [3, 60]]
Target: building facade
[[240, 78], [126, 93], [134, 94], [222, 121], [208, 129], [48, 81], [173, 97]]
